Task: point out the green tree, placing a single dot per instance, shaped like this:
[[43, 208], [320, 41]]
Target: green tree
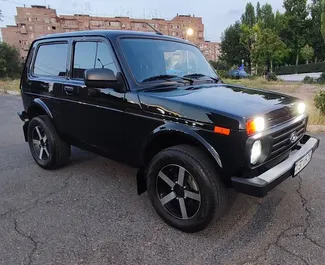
[[258, 12], [294, 33], [280, 22], [248, 18], [267, 19], [307, 53], [247, 36], [232, 50], [10, 63], [314, 35], [323, 19], [269, 48]]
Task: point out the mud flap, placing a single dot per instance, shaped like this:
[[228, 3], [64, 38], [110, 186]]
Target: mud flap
[[141, 181]]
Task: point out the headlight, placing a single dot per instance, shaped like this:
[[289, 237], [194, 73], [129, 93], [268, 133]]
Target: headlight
[[301, 108], [256, 152], [255, 125]]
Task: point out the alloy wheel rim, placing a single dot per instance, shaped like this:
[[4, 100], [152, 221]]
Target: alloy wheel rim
[[178, 191], [40, 143]]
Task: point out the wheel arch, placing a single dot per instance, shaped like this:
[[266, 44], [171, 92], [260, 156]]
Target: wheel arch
[[38, 107], [170, 135], [35, 108], [166, 137]]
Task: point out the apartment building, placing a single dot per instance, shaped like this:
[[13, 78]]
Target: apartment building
[[36, 21]]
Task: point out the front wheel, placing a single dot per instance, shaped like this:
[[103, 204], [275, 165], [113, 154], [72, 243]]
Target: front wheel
[[185, 189]]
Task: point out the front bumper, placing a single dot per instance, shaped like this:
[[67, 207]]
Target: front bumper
[[259, 186]]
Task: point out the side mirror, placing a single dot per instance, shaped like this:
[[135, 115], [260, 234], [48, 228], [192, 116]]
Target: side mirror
[[100, 78]]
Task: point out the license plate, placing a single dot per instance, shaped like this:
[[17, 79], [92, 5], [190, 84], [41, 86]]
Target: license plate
[[302, 163]]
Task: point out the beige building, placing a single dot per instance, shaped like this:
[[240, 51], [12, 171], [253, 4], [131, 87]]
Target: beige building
[[36, 21]]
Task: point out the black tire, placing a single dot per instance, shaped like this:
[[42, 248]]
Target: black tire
[[43, 135], [210, 189]]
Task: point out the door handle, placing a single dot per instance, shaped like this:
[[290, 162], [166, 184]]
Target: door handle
[[45, 85], [69, 90]]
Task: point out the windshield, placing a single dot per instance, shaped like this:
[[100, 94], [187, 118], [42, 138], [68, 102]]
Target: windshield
[[149, 58]]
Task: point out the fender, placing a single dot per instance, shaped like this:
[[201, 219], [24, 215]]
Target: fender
[[178, 128], [40, 103], [170, 128], [25, 116]]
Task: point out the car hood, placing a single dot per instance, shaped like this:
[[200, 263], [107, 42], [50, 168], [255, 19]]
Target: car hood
[[219, 104]]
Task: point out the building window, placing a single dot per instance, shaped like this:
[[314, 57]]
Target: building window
[[48, 28], [115, 24], [53, 27], [138, 25]]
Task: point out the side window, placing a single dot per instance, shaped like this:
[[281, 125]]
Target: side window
[[88, 55], [104, 58], [51, 60]]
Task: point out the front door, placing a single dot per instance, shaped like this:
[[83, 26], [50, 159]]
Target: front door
[[93, 115]]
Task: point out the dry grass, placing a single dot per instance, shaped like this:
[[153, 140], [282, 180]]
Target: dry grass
[[9, 84], [305, 92]]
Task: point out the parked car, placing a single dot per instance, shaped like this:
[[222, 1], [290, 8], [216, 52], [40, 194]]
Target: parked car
[[190, 135], [238, 74]]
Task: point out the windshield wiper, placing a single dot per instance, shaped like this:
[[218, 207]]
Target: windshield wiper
[[166, 77], [202, 75]]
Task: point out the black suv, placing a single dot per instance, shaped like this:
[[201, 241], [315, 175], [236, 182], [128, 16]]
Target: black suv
[[155, 103]]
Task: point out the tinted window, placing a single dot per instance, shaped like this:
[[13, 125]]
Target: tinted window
[[51, 60], [149, 57], [88, 55]]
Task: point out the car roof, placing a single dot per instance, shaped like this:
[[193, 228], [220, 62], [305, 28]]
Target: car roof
[[112, 34]]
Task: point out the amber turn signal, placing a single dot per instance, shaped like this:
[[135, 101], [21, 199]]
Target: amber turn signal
[[255, 125], [221, 130]]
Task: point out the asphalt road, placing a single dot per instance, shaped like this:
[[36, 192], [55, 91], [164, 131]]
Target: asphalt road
[[89, 213]]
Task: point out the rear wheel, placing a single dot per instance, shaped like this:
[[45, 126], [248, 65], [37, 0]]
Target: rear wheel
[[185, 189], [48, 149]]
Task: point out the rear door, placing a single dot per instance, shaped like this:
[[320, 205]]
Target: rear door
[[47, 74], [93, 115]]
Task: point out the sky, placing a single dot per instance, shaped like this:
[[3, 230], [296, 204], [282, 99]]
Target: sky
[[217, 15]]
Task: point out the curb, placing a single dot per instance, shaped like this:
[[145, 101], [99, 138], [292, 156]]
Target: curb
[[10, 92], [316, 128]]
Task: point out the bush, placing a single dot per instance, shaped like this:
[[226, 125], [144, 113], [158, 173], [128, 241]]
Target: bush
[[222, 73], [300, 69], [271, 77], [309, 80], [321, 79], [320, 101], [10, 63], [219, 65]]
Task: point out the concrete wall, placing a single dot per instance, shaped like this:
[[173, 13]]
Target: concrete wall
[[298, 77]]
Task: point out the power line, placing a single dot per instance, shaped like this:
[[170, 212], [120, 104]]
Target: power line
[[13, 2]]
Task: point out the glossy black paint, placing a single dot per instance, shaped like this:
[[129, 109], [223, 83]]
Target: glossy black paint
[[123, 123]]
